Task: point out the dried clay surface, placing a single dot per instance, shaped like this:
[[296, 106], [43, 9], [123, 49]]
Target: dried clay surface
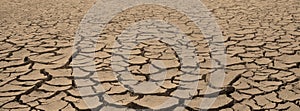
[[261, 41]]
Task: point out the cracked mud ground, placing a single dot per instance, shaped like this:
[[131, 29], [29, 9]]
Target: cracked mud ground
[[262, 47]]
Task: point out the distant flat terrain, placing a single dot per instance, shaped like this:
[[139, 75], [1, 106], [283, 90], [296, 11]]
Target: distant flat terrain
[[262, 46]]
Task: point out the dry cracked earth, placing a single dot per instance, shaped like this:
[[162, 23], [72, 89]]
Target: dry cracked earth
[[261, 40]]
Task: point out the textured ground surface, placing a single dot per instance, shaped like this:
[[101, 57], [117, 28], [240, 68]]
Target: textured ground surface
[[262, 41]]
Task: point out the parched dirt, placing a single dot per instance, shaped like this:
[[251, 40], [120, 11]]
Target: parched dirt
[[262, 41]]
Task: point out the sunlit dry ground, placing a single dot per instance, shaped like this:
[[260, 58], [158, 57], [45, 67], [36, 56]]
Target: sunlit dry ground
[[261, 38]]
